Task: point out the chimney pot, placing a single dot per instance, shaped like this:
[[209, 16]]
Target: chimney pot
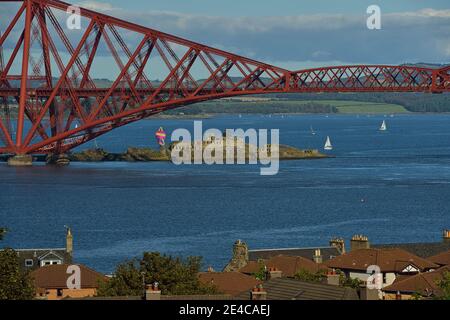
[[152, 292], [317, 256], [339, 244], [359, 241], [258, 293], [446, 236], [333, 278], [274, 273]]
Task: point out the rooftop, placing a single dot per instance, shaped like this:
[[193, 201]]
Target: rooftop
[[389, 260], [423, 249], [422, 283], [442, 259], [55, 277], [308, 253], [289, 265], [291, 289], [231, 283]]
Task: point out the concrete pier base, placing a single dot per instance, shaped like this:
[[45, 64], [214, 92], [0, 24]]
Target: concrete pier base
[[20, 160], [58, 159]]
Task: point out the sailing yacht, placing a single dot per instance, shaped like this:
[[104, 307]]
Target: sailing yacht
[[328, 145], [383, 126], [312, 131]]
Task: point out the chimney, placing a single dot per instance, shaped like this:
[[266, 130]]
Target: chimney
[[258, 293], [274, 273], [446, 235], [152, 292], [359, 241], [240, 257], [69, 241], [317, 256], [333, 278], [338, 243], [370, 294]]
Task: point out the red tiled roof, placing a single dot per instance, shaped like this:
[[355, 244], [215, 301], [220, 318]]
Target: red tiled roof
[[422, 283], [55, 277], [389, 260], [231, 283], [291, 265], [252, 267], [442, 259], [288, 265]]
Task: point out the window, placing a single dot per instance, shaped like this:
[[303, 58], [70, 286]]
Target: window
[[59, 292], [50, 262], [29, 262]]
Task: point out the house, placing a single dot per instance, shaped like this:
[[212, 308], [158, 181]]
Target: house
[[360, 264], [424, 285], [31, 259], [51, 282], [243, 256], [231, 283]]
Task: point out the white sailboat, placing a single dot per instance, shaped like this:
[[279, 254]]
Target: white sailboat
[[312, 131], [383, 126], [328, 145]]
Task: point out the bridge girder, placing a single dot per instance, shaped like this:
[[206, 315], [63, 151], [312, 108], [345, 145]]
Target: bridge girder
[[60, 106]]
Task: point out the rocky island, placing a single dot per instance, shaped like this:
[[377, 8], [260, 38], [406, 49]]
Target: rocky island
[[147, 154]]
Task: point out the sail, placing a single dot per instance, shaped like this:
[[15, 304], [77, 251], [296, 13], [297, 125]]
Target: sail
[[383, 126], [328, 145], [312, 131]]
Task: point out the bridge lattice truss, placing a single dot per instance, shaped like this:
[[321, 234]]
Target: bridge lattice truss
[[59, 105]]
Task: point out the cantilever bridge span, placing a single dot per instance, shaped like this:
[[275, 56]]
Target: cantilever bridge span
[[50, 101]]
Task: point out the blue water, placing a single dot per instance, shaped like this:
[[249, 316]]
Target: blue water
[[118, 210]]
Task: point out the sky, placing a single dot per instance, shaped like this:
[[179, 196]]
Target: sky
[[297, 34]]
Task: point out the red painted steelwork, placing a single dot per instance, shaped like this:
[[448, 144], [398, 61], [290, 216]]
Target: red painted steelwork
[[59, 106]]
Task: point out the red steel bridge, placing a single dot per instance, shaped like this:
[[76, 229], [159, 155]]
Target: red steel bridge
[[50, 102]]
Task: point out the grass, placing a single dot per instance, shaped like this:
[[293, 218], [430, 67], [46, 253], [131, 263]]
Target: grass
[[367, 107]]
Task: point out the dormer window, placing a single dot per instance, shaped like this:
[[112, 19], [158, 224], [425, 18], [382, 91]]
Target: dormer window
[[29, 263], [50, 262]]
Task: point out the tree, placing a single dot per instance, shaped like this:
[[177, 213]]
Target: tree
[[127, 281], [444, 285], [350, 282], [308, 276], [174, 276], [15, 284], [262, 272]]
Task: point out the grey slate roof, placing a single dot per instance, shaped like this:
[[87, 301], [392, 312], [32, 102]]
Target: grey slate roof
[[423, 250], [39, 254], [308, 253], [291, 289]]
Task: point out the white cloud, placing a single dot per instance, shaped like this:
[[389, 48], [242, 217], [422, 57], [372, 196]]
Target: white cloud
[[97, 6]]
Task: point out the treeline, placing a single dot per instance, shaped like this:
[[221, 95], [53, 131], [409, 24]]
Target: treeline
[[263, 107], [414, 102]]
